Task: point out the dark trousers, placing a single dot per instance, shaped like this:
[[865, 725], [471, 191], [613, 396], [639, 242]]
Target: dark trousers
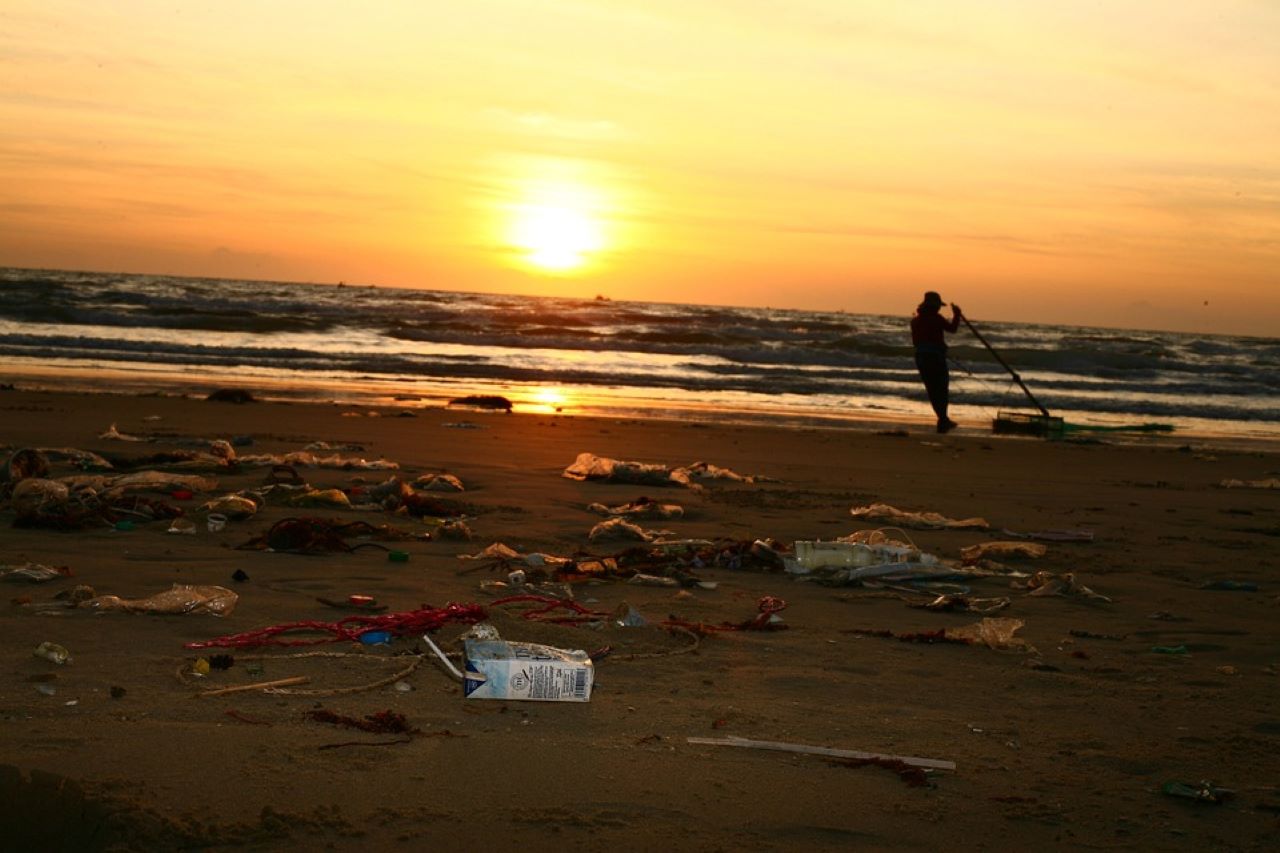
[[933, 370]]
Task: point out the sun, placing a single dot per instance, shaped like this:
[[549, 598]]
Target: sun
[[556, 227]]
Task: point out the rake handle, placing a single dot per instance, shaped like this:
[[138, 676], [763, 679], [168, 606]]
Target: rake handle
[[1005, 365]]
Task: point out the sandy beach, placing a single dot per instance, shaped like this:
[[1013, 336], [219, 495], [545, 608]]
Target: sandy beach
[[1063, 740]]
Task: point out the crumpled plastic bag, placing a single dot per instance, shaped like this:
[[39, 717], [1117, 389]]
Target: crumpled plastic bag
[[588, 466], [113, 434], [1003, 550], [328, 498], [917, 520], [34, 573], [34, 494], [499, 551], [996, 632], [639, 508], [1047, 583], [160, 481], [310, 460], [232, 506], [1269, 483], [620, 528], [182, 598], [26, 463], [439, 483]]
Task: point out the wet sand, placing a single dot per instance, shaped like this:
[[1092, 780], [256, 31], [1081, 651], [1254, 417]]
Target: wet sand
[[1061, 747]]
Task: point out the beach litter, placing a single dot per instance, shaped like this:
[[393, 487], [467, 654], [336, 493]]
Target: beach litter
[[53, 653], [25, 464], [641, 507], [1201, 792], [1269, 483], [957, 603], [381, 722], [830, 752], [995, 632], [325, 665], [438, 483], [621, 528], [1066, 585], [306, 459], [304, 535], [1002, 550], [349, 629], [501, 669], [234, 507], [33, 573], [180, 599], [588, 466], [182, 526], [1230, 585], [916, 520]]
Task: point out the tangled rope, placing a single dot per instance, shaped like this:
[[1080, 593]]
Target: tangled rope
[[408, 623]]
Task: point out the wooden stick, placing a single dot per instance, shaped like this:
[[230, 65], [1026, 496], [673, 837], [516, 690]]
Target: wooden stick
[[932, 763], [261, 685]]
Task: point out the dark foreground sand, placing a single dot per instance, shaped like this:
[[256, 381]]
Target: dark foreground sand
[[1062, 748]]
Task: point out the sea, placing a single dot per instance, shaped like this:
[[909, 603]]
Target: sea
[[95, 331]]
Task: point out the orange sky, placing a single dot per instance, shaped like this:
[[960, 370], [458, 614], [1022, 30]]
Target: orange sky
[[1114, 164]]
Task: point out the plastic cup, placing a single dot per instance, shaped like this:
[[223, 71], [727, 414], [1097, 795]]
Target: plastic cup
[[217, 521]]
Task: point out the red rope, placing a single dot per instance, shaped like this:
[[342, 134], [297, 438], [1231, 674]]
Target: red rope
[[768, 605], [580, 613], [405, 624]]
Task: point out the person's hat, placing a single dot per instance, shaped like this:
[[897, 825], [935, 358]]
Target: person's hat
[[932, 298]]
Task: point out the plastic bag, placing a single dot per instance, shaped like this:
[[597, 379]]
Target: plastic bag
[[996, 632], [919, 520], [1029, 550], [182, 598]]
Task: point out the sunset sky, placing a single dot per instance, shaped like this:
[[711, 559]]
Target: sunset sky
[[1108, 163]]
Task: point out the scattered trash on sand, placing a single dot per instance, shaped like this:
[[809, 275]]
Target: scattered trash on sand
[[588, 466], [1066, 585], [744, 743], [1201, 792], [318, 535], [34, 573], [993, 632], [499, 669], [303, 458], [235, 507], [53, 653], [954, 603], [641, 507], [182, 598], [621, 528], [113, 434], [382, 722], [916, 520], [350, 629], [1003, 551], [1269, 483], [438, 483]]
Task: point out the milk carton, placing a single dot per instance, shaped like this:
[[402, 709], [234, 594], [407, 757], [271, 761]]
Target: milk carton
[[499, 669]]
